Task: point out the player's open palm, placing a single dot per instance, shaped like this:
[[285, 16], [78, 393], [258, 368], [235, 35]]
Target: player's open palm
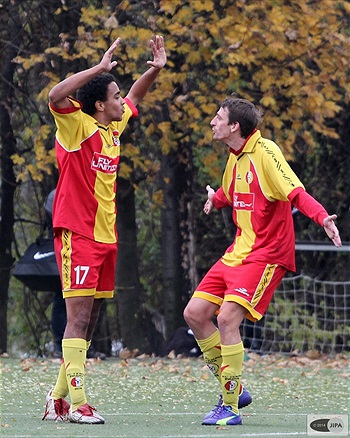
[[331, 230], [159, 54], [208, 206], [106, 61]]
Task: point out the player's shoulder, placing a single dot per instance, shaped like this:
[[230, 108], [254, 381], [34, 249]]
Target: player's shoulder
[[266, 144], [268, 148]]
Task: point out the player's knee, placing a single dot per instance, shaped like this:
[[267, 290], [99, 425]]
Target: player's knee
[[187, 314], [190, 315], [77, 327], [195, 315], [225, 321]]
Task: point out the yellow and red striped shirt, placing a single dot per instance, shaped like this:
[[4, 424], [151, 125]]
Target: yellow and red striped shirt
[[88, 156], [260, 185]]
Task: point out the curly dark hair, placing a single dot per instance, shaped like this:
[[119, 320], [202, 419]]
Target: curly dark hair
[[94, 90], [243, 112]]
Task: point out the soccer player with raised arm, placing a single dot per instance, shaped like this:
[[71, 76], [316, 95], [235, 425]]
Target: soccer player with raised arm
[[261, 188], [84, 212]]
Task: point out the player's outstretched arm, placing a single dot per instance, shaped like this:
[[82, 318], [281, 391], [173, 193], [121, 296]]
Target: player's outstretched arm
[[331, 230], [141, 86], [59, 93], [208, 206]]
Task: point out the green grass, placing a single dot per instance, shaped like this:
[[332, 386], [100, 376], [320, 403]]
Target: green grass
[[152, 397]]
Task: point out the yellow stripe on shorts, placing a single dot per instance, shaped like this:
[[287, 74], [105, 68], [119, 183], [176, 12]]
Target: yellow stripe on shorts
[[263, 283], [66, 258]]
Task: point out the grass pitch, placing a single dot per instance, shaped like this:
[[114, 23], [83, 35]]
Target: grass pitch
[[167, 398]]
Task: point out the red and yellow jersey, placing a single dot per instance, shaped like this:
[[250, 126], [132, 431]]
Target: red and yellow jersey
[[257, 183], [88, 155]]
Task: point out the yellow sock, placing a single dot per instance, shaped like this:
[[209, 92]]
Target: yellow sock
[[61, 388], [231, 370], [211, 349], [74, 354]]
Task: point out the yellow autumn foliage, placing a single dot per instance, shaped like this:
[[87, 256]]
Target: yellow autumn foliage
[[289, 58]]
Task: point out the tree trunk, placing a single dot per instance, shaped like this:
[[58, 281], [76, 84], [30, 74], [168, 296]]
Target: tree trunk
[[129, 296], [8, 142], [173, 176]]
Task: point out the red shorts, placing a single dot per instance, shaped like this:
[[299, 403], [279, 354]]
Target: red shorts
[[251, 285], [86, 267]]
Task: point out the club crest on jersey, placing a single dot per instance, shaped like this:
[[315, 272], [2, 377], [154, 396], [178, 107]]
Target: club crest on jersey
[[243, 201], [249, 177], [104, 163], [116, 140]]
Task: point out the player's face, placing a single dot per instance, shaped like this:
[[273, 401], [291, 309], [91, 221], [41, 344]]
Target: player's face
[[220, 125], [114, 105]]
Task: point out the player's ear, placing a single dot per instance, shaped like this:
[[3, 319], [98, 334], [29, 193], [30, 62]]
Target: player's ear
[[235, 126], [99, 105]]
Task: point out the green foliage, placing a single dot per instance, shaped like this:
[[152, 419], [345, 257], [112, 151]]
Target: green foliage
[[29, 320], [308, 316], [149, 237]]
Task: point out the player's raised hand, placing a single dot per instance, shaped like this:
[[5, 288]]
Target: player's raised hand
[[159, 54], [332, 230], [106, 62], [208, 206]]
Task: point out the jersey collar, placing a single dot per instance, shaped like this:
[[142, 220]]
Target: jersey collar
[[249, 143]]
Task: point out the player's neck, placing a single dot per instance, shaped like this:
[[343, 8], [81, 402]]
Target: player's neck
[[101, 119], [236, 143]]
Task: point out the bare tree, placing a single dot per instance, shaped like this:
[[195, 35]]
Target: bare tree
[[10, 41]]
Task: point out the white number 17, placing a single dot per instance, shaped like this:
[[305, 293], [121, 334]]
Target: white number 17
[[81, 273]]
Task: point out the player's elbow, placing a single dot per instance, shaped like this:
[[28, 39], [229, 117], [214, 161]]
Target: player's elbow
[[53, 97], [56, 98]]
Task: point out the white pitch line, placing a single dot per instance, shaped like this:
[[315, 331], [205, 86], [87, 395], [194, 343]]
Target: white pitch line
[[116, 414], [201, 413], [217, 434]]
